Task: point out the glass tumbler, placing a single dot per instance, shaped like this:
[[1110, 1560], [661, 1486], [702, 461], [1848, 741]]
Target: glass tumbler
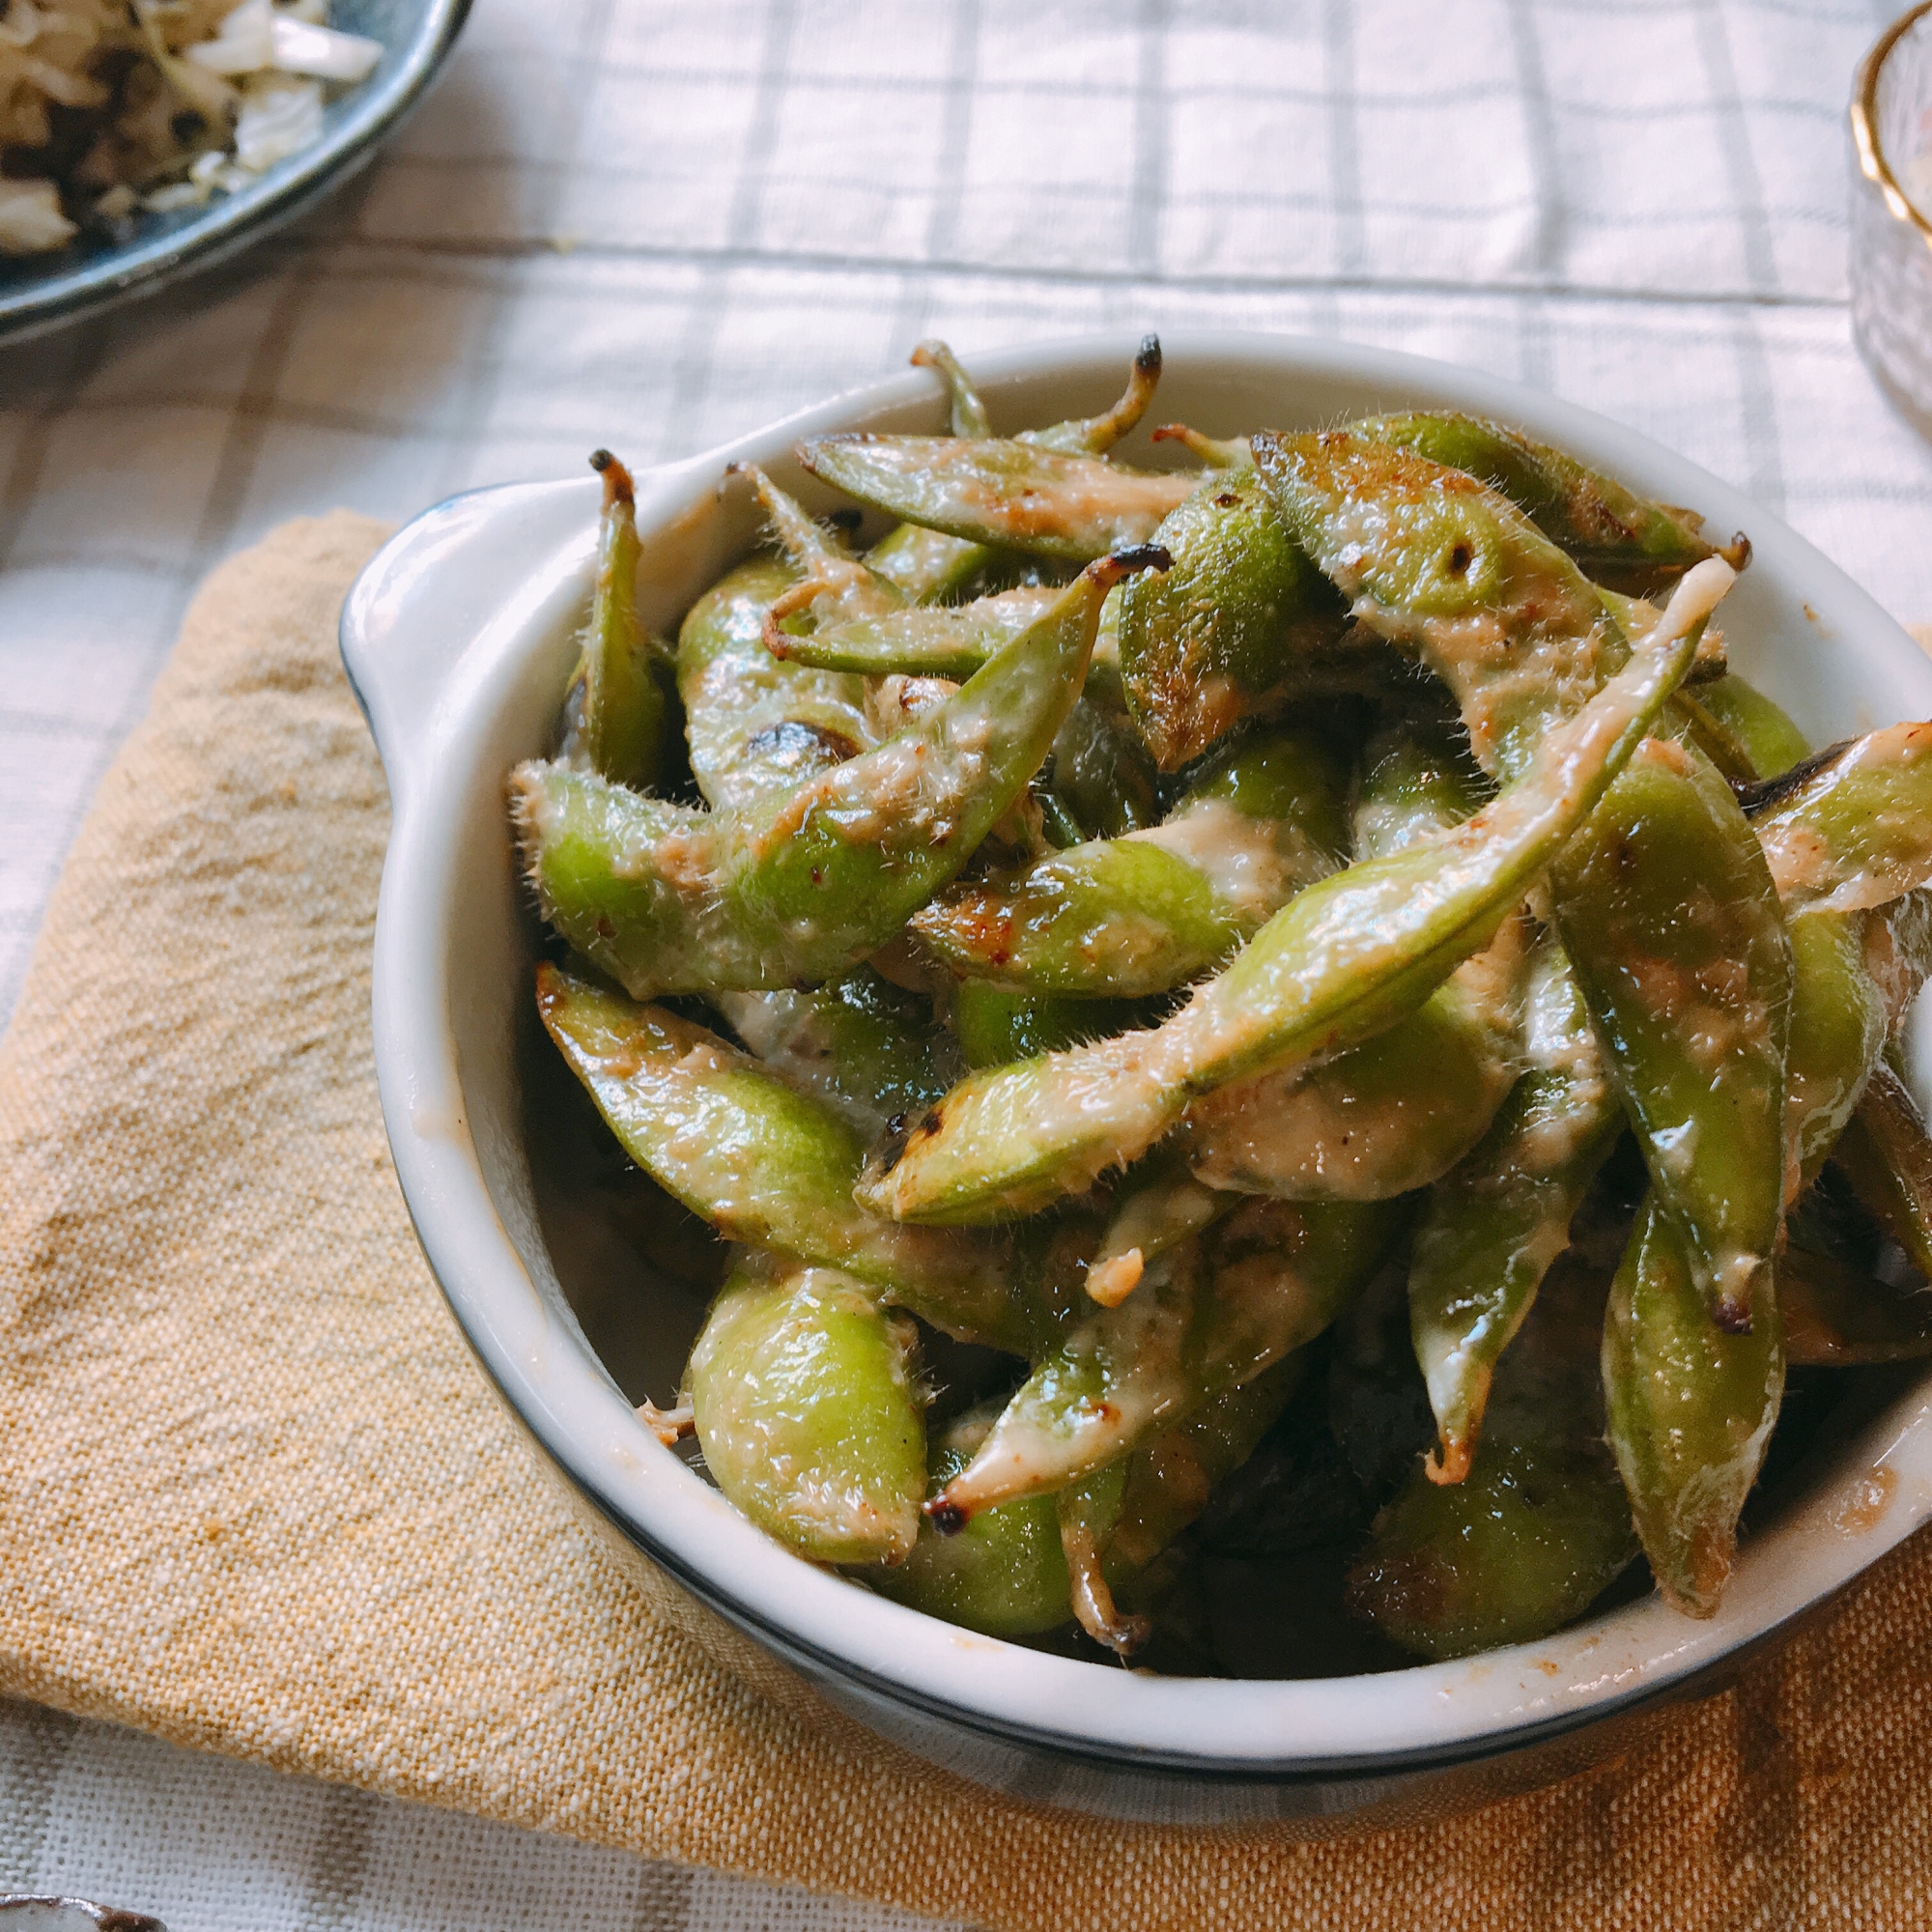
[[1891, 212]]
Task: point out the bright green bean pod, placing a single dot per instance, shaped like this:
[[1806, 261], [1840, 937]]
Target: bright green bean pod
[[1342, 961], [1496, 1224], [869, 1047], [1668, 914], [1691, 1408], [923, 640], [1399, 1110], [1013, 494], [1203, 1320], [1004, 1573], [1212, 642], [758, 729], [616, 712], [1838, 1317], [1774, 743], [798, 888], [1100, 769], [762, 1162], [1614, 535], [1140, 914], [806, 1399], [1852, 827], [1840, 1022], [995, 1026], [1448, 570]]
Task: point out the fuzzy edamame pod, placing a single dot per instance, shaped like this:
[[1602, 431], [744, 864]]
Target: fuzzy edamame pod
[[1494, 1224], [1771, 740], [1851, 828], [1343, 960], [1004, 1573], [1615, 536], [1540, 1526], [1668, 914], [616, 712], [1205, 1317], [1012, 494], [995, 1026], [869, 1047], [757, 727], [800, 886], [762, 1162], [1140, 914], [1691, 1408], [1215, 641], [1399, 1110], [806, 1398]]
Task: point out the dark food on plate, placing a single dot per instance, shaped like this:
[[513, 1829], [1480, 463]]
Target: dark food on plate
[[109, 108], [1290, 1015]]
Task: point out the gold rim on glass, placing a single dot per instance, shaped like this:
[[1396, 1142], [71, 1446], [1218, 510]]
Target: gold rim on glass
[[1864, 122]]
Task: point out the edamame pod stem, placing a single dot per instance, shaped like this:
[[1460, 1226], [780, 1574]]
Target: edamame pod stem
[[1017, 495], [1838, 1317], [1887, 1156], [762, 1162], [1141, 914], [1851, 828], [833, 583], [615, 711], [1690, 1409], [1215, 641], [1095, 435], [1494, 1225], [1205, 1317], [969, 412], [1340, 962], [868, 1048], [1615, 536], [805, 1393], [1542, 1524], [1667, 911], [798, 888], [758, 729]]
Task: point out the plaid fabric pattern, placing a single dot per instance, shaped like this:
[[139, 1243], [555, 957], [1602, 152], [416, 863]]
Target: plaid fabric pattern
[[655, 223]]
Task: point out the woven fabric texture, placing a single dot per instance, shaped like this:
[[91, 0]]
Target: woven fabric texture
[[257, 1498]]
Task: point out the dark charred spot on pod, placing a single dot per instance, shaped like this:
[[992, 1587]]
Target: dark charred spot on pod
[[1142, 556], [932, 1122], [1226, 501], [601, 460], [1461, 558], [792, 742], [605, 930], [1147, 358], [1767, 792], [1734, 1320], [846, 519], [948, 1518]]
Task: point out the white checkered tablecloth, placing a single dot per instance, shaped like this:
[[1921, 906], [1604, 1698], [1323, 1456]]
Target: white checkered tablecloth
[[655, 223]]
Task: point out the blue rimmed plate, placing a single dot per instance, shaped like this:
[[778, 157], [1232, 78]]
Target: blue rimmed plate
[[39, 293]]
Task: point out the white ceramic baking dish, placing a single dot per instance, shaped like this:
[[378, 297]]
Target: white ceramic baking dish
[[460, 637]]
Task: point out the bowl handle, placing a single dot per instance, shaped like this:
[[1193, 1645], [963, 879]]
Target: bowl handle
[[424, 598]]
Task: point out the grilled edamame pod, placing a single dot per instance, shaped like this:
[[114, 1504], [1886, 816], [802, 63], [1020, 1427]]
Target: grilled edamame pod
[[1494, 1224], [1342, 961], [800, 886], [1205, 1317], [1141, 914], [1215, 642], [762, 1162], [1691, 1408], [869, 1048], [616, 712], [1615, 536], [1540, 1526], [1398, 1111], [805, 1396]]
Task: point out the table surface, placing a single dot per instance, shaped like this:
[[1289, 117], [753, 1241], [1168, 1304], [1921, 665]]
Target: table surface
[[655, 223]]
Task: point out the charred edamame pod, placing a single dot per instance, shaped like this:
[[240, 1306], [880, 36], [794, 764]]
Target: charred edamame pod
[[805, 1396]]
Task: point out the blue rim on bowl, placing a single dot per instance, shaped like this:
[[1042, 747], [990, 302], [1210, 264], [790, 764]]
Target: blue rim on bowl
[[40, 293]]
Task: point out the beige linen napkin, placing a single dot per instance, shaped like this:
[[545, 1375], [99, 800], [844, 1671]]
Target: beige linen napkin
[[255, 1496]]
